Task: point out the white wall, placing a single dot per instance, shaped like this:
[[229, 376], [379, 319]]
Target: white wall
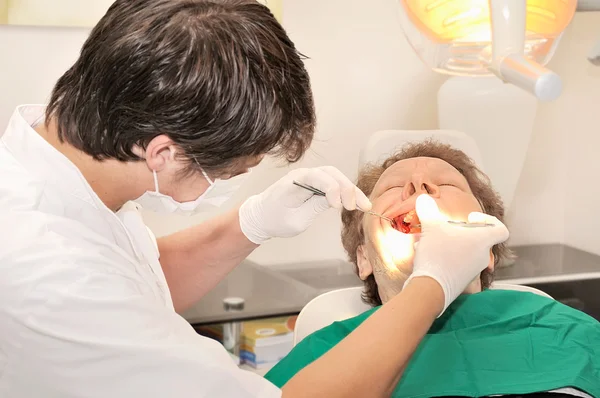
[[31, 60], [582, 135], [559, 186], [55, 12], [366, 78]]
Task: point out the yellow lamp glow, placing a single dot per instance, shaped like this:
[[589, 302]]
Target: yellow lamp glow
[[444, 21], [512, 39]]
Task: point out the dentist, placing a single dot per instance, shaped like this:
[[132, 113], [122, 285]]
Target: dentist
[[168, 106]]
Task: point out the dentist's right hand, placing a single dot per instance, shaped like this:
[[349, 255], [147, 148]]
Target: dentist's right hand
[[451, 254], [285, 210]]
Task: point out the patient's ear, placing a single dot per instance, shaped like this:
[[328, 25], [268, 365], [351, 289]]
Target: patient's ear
[[491, 265], [364, 265]]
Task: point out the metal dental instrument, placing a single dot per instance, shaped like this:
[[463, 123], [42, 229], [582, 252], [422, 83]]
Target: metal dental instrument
[[471, 225], [318, 192], [463, 224]]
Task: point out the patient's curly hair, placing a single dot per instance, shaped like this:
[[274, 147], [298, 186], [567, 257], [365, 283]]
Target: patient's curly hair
[[480, 184]]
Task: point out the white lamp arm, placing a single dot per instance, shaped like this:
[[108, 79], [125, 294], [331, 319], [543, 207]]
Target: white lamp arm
[[508, 52]]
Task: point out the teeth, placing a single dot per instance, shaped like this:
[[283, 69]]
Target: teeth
[[405, 222]]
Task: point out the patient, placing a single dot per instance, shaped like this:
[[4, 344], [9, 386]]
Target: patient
[[488, 342]]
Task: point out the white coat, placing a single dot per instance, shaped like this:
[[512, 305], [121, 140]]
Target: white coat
[[85, 310]]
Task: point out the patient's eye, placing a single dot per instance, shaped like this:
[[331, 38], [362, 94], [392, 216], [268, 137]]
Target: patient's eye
[[395, 187]]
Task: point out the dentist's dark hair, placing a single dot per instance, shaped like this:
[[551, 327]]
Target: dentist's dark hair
[[221, 78]]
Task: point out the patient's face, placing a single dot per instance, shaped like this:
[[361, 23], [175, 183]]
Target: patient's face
[[388, 253]]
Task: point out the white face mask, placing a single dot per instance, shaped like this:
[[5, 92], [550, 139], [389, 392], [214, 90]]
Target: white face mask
[[219, 192]]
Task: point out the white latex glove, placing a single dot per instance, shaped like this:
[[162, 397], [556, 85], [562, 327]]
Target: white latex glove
[[285, 210], [451, 254]]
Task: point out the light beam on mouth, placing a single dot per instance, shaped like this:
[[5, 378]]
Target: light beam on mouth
[[409, 223], [396, 247]]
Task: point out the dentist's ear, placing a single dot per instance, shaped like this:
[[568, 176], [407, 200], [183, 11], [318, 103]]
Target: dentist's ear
[[158, 152]]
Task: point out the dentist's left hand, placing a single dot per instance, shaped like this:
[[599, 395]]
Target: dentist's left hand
[[285, 210]]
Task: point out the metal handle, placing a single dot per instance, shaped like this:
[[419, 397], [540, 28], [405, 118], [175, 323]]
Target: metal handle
[[232, 331]]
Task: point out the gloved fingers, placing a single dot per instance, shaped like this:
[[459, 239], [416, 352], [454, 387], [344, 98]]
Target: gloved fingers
[[362, 201], [323, 181], [478, 217], [352, 197], [291, 195], [347, 188], [428, 211], [493, 235], [320, 204]]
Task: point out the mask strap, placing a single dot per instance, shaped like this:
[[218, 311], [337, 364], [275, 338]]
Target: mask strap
[[155, 181], [211, 182]]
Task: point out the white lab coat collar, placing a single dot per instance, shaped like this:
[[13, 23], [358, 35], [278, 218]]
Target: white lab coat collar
[[42, 159]]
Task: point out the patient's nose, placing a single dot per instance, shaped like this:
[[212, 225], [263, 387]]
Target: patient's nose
[[419, 187]]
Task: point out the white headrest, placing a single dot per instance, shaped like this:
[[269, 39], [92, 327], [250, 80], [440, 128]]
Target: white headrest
[[383, 144]]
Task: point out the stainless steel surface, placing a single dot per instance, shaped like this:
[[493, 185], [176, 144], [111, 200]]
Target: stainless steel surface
[[534, 264], [265, 292], [569, 275], [322, 276], [286, 289], [550, 263]]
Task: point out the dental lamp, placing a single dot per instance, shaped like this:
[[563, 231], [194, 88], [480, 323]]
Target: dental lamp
[[511, 39]]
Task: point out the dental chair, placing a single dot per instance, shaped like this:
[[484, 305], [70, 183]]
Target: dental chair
[[341, 304], [346, 303]]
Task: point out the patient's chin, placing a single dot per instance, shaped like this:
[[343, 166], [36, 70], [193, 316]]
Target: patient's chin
[[386, 293], [473, 287], [389, 283]]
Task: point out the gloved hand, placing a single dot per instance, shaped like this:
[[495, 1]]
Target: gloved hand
[[285, 210], [451, 254]]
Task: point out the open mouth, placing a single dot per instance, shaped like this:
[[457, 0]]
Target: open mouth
[[407, 223]]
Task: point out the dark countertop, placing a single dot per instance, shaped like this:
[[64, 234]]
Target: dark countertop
[[266, 293], [285, 290]]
